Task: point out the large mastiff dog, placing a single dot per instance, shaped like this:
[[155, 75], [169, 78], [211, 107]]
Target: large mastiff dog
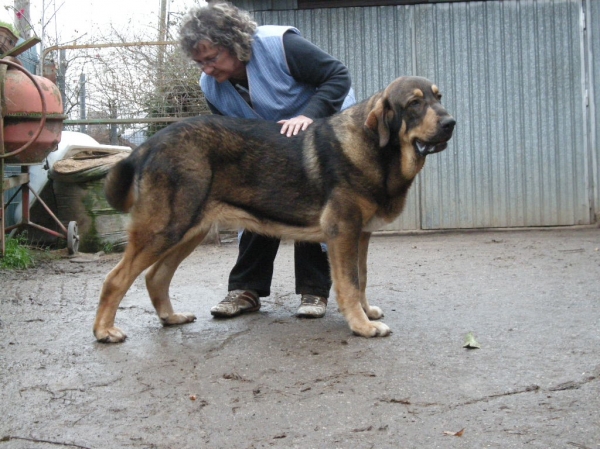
[[336, 182]]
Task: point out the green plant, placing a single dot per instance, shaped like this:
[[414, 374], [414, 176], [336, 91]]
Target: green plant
[[17, 256], [9, 27]]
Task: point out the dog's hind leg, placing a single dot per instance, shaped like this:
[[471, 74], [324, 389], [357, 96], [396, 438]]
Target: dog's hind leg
[[343, 257], [158, 280], [373, 312], [137, 258]]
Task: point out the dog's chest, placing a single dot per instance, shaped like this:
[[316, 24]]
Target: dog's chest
[[375, 224]]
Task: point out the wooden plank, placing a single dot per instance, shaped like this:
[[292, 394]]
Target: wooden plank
[[23, 47], [15, 181]]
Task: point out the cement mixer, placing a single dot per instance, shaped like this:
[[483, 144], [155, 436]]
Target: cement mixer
[[31, 124]]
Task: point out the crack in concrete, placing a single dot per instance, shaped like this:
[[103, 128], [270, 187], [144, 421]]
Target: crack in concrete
[[570, 385], [527, 389], [37, 440]]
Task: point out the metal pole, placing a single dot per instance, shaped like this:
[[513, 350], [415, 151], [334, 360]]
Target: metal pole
[[162, 33], [106, 45], [2, 214], [114, 137], [42, 36], [62, 75], [82, 112], [22, 23]]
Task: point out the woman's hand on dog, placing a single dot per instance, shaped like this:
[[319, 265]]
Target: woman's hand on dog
[[293, 126]]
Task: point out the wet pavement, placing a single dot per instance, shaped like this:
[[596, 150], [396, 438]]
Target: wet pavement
[[269, 379]]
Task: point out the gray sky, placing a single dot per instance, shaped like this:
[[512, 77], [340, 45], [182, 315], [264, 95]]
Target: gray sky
[[76, 17]]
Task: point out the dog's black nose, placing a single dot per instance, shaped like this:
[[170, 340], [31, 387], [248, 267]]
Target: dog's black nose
[[447, 124]]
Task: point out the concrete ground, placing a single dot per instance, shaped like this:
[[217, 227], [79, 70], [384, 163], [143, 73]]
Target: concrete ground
[[268, 379]]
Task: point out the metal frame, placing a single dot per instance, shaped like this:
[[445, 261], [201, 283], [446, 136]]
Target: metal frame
[[22, 180]]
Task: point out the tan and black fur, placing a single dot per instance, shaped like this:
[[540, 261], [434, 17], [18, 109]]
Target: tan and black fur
[[336, 182]]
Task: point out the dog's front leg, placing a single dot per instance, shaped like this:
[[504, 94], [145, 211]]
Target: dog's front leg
[[373, 312], [344, 260]]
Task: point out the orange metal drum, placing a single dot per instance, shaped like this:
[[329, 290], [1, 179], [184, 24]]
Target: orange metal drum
[[22, 107]]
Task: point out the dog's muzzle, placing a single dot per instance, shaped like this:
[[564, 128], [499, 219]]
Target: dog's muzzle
[[440, 143]]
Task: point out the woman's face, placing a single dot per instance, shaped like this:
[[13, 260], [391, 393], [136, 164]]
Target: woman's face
[[217, 62]]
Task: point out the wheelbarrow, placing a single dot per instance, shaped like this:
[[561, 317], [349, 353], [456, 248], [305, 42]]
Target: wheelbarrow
[[30, 128]]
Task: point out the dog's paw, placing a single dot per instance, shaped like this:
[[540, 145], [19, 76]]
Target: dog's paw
[[178, 318], [372, 329], [374, 313], [110, 335]]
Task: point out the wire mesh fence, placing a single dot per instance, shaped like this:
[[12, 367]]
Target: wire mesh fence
[[122, 93]]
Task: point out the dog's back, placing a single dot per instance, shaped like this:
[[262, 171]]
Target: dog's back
[[243, 163]]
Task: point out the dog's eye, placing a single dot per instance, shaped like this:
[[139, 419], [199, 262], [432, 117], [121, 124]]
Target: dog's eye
[[439, 97], [414, 102]]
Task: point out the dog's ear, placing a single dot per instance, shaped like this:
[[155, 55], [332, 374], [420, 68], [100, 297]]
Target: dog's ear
[[378, 121]]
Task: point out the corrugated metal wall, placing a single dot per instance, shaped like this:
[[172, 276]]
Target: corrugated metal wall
[[593, 34], [513, 73]]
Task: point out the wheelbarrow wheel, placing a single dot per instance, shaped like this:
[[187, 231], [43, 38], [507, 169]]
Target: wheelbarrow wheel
[[72, 238]]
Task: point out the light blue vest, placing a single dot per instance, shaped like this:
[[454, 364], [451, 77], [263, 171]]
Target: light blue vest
[[274, 93]]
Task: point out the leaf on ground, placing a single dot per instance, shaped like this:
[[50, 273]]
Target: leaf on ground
[[454, 434], [470, 342]]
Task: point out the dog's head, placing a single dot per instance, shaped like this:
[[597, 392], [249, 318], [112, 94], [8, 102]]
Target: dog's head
[[409, 113]]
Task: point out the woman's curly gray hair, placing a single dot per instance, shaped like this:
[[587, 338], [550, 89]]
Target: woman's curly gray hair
[[223, 25]]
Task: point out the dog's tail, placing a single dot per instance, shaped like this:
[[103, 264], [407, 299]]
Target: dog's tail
[[118, 186]]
